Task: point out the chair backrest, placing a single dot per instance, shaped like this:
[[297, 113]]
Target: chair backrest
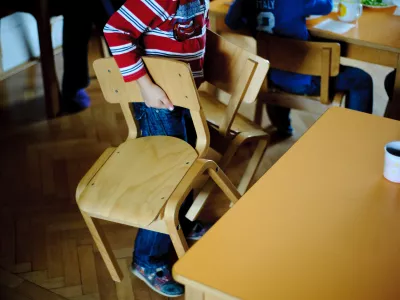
[[303, 57], [174, 77], [234, 71]]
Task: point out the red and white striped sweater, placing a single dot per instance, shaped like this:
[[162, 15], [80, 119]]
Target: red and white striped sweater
[[166, 28]]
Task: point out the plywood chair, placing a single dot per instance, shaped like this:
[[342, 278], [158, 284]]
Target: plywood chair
[[143, 182], [240, 74], [303, 57]]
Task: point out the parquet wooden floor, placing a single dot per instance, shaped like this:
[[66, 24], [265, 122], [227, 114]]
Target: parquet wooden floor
[[46, 252]]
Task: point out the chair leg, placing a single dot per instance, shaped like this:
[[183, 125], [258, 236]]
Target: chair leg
[[224, 184], [200, 200], [50, 81], [103, 246], [207, 189], [252, 166], [230, 152], [174, 228], [171, 211], [178, 238], [172, 220], [218, 178]]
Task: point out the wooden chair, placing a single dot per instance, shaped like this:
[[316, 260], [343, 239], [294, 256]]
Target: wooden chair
[[239, 73], [144, 181], [303, 57]]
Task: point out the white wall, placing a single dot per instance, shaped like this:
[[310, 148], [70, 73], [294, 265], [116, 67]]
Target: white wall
[[19, 39]]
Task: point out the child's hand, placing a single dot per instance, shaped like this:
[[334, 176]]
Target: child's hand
[[153, 95]]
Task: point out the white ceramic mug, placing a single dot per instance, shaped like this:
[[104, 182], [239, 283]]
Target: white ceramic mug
[[350, 10], [391, 170]]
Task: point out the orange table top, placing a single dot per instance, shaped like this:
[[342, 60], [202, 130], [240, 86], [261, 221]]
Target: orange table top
[[322, 223], [377, 28]]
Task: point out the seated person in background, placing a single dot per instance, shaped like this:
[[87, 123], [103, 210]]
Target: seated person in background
[[287, 18], [176, 30]]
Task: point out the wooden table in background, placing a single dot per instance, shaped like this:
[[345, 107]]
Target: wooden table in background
[[322, 223], [375, 39], [41, 11]]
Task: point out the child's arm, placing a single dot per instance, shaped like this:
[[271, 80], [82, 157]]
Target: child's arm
[[318, 7], [122, 33], [153, 95]]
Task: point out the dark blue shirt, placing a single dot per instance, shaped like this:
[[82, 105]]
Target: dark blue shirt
[[280, 17]]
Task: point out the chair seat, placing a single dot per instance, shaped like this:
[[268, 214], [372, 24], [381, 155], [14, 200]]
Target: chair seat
[[137, 180], [215, 112]]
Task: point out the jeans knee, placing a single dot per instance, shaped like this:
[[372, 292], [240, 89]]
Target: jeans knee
[[389, 83], [364, 79]]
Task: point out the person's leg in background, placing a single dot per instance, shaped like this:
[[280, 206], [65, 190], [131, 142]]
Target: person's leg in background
[[280, 116], [79, 17], [389, 84], [358, 86], [76, 34], [151, 256], [356, 83], [280, 119]]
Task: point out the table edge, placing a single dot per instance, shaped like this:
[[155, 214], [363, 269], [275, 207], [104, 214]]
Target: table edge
[[201, 287]]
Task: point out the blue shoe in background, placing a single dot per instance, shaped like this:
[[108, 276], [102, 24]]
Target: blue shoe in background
[[71, 104]]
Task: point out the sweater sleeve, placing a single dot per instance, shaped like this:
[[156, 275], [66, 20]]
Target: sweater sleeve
[[318, 7], [124, 29]]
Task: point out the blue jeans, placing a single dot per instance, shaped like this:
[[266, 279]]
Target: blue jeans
[[356, 83], [152, 249]]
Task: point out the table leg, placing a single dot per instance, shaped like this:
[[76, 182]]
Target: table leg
[[50, 81], [393, 107]]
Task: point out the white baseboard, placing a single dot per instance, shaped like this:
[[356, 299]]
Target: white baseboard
[[19, 40]]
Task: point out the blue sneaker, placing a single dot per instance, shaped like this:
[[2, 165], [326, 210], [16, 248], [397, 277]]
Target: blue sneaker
[[82, 99], [75, 103], [159, 280]]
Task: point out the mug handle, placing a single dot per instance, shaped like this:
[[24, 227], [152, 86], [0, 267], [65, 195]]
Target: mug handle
[[360, 10]]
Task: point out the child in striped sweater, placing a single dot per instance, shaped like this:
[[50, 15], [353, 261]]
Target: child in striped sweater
[[166, 28]]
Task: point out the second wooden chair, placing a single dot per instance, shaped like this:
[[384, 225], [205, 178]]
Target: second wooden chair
[[240, 74], [302, 57]]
